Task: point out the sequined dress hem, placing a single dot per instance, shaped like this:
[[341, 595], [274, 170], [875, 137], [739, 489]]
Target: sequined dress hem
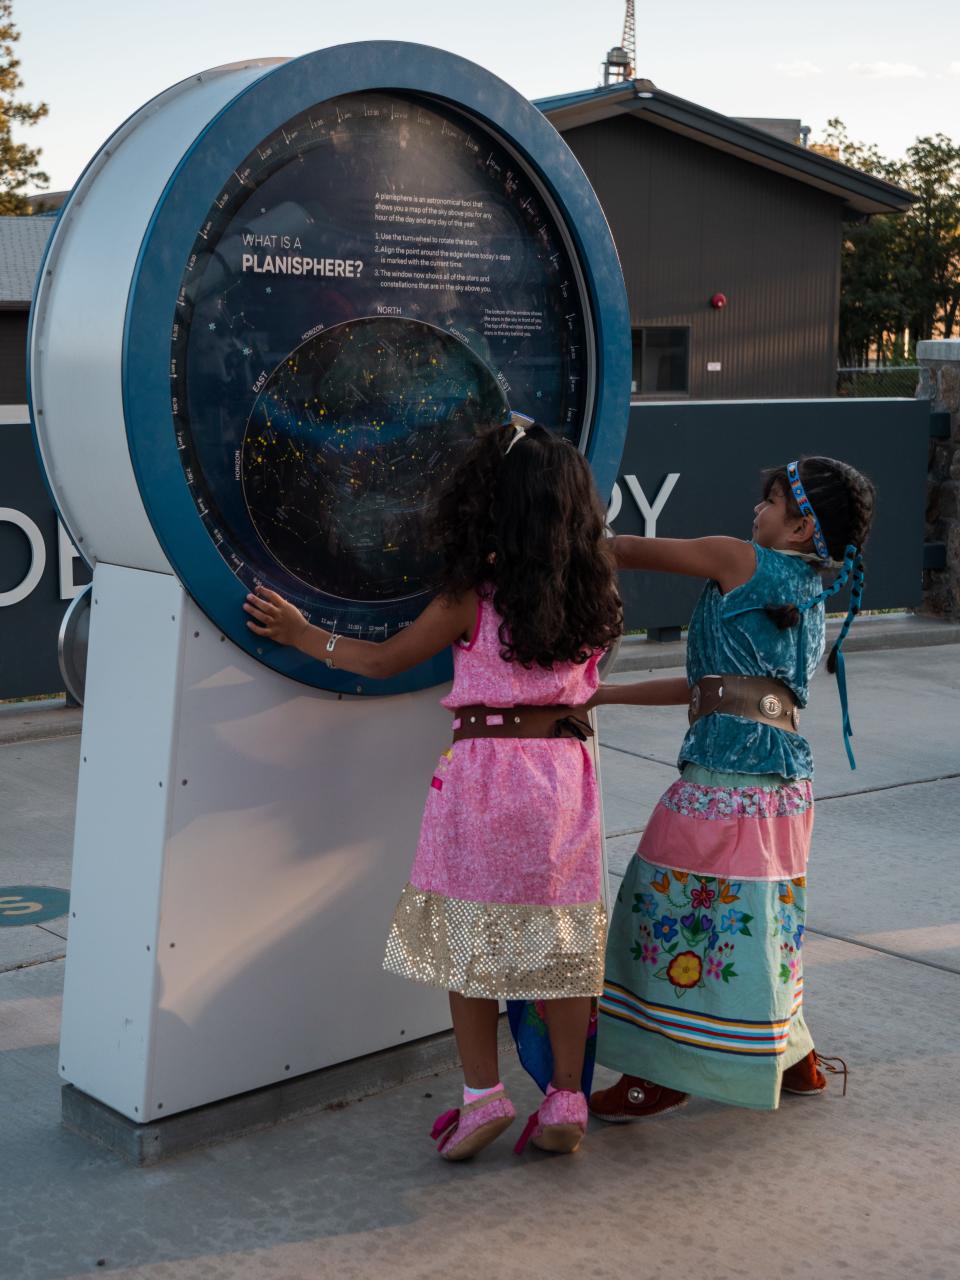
[[498, 950]]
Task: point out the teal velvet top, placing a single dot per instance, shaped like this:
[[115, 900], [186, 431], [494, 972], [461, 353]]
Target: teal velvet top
[[732, 634]]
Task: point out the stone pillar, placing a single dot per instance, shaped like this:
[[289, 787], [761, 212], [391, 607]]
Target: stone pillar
[[939, 361]]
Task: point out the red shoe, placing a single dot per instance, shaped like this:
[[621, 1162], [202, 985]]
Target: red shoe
[[633, 1098], [806, 1080]]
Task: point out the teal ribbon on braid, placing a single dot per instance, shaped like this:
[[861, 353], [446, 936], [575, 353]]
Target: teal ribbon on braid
[[852, 568]]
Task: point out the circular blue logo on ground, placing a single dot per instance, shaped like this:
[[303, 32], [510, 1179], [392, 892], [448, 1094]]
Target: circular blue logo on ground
[[31, 904]]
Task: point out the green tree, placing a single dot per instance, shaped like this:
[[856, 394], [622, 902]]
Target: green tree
[[18, 162], [931, 235], [900, 273]]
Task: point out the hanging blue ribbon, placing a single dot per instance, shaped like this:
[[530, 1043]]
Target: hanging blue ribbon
[[852, 566], [844, 708], [856, 599]]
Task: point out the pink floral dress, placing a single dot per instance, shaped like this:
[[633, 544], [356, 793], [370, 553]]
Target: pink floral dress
[[504, 898]]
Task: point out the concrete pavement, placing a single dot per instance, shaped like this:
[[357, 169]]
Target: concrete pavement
[[862, 1186]]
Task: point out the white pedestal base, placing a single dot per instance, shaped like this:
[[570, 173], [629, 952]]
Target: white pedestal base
[[241, 842]]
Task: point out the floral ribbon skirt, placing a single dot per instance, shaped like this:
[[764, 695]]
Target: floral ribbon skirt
[[703, 989]]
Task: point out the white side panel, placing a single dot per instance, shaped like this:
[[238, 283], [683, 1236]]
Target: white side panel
[[293, 828], [133, 670], [80, 312]]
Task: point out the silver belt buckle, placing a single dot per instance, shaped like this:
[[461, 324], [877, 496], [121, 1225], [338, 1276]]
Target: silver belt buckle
[[771, 706]]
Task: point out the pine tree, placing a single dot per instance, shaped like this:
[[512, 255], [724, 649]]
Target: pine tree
[[18, 162]]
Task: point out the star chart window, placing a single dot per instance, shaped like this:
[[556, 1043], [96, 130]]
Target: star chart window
[[377, 281]]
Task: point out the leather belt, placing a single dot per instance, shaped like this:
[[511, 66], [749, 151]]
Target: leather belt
[[478, 721], [753, 697]]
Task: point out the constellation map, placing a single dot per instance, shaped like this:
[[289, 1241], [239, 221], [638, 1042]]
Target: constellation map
[[379, 279], [348, 441]]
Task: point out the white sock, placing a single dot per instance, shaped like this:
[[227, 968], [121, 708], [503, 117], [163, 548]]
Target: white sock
[[474, 1095]]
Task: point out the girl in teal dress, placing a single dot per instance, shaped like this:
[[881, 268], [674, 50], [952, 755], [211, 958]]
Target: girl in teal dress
[[703, 987]]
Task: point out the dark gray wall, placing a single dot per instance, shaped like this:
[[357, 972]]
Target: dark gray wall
[[13, 356], [719, 451], [689, 222], [29, 629]]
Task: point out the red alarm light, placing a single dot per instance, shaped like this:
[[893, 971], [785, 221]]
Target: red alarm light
[[718, 301]]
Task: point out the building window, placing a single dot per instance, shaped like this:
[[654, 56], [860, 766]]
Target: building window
[[661, 362]]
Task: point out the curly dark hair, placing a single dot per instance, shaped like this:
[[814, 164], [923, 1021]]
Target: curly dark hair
[[845, 502], [529, 528]]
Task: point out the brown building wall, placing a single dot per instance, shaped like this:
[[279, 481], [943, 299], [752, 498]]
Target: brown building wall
[[690, 221], [13, 356]]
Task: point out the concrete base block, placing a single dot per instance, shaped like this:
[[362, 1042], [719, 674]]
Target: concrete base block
[[146, 1144]]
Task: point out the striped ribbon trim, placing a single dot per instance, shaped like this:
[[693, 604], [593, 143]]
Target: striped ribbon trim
[[701, 1030]]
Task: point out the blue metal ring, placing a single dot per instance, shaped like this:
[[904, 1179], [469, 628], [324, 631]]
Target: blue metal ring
[[281, 93]]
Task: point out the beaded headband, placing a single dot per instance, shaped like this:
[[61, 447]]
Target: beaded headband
[[806, 508]]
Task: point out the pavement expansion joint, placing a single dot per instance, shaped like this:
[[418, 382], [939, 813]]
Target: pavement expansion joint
[[52, 957], [639, 755], [53, 932], [886, 951], [888, 786]]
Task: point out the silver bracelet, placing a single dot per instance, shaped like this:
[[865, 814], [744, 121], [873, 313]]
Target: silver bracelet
[[330, 646]]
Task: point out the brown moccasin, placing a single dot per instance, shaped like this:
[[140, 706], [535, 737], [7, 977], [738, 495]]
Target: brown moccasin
[[633, 1098], [805, 1078]]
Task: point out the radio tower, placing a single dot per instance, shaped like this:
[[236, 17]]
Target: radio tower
[[621, 60], [629, 42]]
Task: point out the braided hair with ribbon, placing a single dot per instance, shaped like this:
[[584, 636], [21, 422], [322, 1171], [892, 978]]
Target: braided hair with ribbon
[[852, 569], [840, 501]]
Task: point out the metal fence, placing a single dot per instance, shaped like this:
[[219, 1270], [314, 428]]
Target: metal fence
[[885, 380]]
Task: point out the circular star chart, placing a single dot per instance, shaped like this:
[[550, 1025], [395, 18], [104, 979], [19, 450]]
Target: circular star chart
[[380, 278], [349, 440]]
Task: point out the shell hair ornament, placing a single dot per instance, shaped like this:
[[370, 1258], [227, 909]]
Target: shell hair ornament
[[521, 424]]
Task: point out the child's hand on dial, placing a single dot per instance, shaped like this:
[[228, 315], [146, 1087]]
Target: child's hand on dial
[[278, 619]]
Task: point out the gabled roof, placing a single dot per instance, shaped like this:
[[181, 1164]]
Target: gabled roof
[[22, 242], [860, 192]]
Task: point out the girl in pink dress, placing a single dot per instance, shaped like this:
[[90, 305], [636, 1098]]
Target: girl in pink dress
[[504, 900]]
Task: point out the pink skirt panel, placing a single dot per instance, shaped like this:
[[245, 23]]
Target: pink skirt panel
[[512, 821], [735, 848]]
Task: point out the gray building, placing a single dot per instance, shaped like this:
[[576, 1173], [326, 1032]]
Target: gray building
[[22, 242], [730, 239]]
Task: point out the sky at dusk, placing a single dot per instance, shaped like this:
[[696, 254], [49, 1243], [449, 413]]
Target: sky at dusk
[[890, 70]]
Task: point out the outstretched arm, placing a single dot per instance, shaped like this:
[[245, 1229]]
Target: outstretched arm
[[729, 561], [673, 692], [440, 624]]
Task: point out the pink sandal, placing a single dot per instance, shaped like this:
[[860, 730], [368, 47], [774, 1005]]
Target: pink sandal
[[558, 1124], [463, 1131]]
